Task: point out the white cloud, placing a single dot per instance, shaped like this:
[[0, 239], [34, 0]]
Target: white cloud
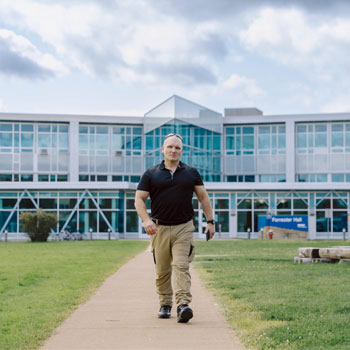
[[243, 84], [19, 53], [340, 104], [292, 36]]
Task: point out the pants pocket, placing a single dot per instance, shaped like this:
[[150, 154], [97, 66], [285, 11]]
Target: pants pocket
[[154, 256], [191, 253]]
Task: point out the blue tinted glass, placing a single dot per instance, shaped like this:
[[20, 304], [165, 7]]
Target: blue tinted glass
[[337, 139], [248, 142], [5, 127], [44, 128], [137, 142], [137, 131], [83, 141], [83, 129], [230, 142], [321, 140], [301, 140], [337, 127], [44, 140], [248, 130], [27, 127], [27, 140], [281, 141], [5, 139], [337, 177], [63, 140], [264, 141], [117, 141]]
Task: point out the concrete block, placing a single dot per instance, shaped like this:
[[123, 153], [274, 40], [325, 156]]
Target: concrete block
[[308, 252], [335, 252]]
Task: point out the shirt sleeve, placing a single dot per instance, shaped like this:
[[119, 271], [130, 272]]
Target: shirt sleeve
[[145, 182], [198, 180]]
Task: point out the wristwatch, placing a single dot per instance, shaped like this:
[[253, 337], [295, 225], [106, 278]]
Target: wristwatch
[[210, 222]]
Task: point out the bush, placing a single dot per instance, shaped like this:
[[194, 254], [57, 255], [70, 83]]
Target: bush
[[38, 225]]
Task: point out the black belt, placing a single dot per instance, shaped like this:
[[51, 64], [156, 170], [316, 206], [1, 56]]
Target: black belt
[[169, 223]]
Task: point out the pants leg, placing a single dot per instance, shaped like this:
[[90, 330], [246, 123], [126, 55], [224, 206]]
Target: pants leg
[[183, 253], [162, 259]]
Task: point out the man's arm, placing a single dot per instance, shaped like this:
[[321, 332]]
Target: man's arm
[[140, 205], [204, 200]]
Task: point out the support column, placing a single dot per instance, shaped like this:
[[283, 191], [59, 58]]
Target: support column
[[290, 151], [74, 151]]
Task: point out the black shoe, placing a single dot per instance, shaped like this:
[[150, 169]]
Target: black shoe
[[184, 313], [164, 311]]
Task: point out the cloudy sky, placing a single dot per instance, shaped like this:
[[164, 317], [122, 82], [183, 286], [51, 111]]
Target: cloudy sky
[[123, 57]]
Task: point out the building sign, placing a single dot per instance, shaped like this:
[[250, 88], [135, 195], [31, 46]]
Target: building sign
[[293, 226]]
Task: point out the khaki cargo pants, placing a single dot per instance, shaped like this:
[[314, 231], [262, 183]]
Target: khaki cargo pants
[[173, 250]]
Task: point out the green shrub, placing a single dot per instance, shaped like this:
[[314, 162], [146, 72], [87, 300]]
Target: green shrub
[[38, 225]]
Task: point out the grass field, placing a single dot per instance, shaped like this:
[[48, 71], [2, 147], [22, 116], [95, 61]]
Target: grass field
[[42, 283], [272, 302]]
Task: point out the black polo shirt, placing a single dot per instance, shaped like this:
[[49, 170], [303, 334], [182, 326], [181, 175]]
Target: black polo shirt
[[171, 194]]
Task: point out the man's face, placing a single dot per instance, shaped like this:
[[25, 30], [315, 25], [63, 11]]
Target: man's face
[[172, 149]]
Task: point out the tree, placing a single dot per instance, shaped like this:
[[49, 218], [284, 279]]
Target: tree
[[38, 225]]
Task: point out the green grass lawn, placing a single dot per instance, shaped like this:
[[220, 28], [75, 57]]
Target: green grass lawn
[[273, 303], [42, 283]]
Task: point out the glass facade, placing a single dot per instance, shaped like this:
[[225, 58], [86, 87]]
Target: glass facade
[[108, 153], [323, 152], [33, 152], [255, 152], [201, 148], [86, 170]]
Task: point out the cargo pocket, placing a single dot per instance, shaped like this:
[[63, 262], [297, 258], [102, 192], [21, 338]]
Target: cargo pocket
[[191, 253], [154, 256]]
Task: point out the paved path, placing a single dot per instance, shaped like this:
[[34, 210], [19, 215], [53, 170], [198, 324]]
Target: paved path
[[122, 314]]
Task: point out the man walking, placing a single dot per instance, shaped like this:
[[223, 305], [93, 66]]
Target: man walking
[[170, 186]]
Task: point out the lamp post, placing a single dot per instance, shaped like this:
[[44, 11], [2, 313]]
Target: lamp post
[[90, 234], [344, 234], [109, 234], [6, 233], [248, 232]]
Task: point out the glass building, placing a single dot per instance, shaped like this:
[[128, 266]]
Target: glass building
[[86, 168]]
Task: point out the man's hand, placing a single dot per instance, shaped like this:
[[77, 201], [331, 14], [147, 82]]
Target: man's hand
[[211, 230], [150, 227]]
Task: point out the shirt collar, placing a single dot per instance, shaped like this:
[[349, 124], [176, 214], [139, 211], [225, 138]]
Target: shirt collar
[[162, 165]]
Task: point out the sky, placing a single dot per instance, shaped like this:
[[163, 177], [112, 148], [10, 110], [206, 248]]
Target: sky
[[124, 57]]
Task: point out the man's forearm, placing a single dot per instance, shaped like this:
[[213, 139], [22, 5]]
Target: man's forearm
[[141, 210], [207, 209]]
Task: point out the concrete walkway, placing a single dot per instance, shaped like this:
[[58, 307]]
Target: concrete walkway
[[122, 314]]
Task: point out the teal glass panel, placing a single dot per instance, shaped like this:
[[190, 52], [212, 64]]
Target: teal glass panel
[[44, 128], [248, 142], [281, 141], [101, 130], [83, 141], [337, 139], [27, 127], [221, 203], [5, 127], [245, 204], [340, 221], [264, 142], [101, 141], [63, 128], [337, 177], [132, 222], [27, 140], [44, 140], [137, 142], [321, 140], [63, 140], [301, 140], [244, 221], [5, 139]]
